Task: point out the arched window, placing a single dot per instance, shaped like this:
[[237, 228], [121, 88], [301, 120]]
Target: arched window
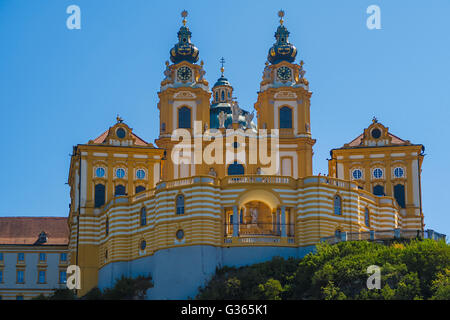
[[366, 217], [99, 195], [180, 204], [143, 216], [285, 118], [235, 169], [217, 96], [223, 95], [378, 190], [107, 226], [184, 118], [337, 205], [140, 189], [337, 233], [119, 190], [399, 195]]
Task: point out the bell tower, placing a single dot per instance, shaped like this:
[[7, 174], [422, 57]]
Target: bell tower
[[183, 101], [284, 103]]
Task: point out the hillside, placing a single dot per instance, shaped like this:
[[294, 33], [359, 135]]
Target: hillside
[[418, 269]]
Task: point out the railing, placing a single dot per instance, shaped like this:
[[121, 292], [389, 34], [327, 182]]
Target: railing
[[260, 229], [330, 181], [261, 240], [384, 235], [259, 179]]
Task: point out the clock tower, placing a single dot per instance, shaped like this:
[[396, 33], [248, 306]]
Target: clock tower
[[183, 101], [283, 103]]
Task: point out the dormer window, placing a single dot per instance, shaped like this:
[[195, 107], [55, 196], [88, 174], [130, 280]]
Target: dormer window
[[42, 237], [120, 133], [376, 133]]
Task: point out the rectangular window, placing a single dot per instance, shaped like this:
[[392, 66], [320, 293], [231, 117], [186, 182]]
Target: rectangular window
[[20, 256], [63, 257], [20, 278], [62, 276], [41, 276], [42, 256], [19, 297], [1, 256], [1, 276]]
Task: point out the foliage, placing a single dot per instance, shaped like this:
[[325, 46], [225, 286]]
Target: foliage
[[418, 269], [124, 289]]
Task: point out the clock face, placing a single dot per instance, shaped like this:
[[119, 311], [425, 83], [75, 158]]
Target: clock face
[[184, 73], [284, 73]]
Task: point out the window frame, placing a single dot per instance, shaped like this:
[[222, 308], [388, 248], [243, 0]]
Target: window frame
[[39, 276], [283, 121], [181, 114], [178, 208], [339, 206], [143, 216]]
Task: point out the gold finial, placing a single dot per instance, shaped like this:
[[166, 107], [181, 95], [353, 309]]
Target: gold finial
[[374, 119], [184, 14], [202, 63], [281, 15], [222, 61], [167, 63], [301, 63], [119, 119]]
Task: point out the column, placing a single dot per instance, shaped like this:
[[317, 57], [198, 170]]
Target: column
[[235, 221], [283, 221], [277, 228]]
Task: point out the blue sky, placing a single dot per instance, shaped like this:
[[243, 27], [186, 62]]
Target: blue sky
[[61, 87]]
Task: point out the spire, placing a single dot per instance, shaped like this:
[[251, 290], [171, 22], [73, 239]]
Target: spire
[[184, 50], [222, 69], [282, 49]]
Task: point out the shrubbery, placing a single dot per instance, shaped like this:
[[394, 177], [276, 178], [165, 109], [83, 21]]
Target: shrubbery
[[418, 269]]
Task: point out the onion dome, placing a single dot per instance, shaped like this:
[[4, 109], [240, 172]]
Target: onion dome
[[184, 50], [282, 50]]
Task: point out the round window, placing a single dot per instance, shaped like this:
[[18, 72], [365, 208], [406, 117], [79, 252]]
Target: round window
[[398, 172], [376, 133], [357, 174], [378, 173], [120, 173], [143, 244], [100, 172], [120, 133], [140, 174], [180, 234]]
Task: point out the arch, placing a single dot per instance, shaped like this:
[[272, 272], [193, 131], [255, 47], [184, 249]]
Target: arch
[[120, 190], [222, 95], [263, 196], [139, 189], [367, 217], [184, 118], [399, 195], [378, 190], [235, 169], [285, 118], [143, 216], [99, 195], [337, 205], [179, 202]]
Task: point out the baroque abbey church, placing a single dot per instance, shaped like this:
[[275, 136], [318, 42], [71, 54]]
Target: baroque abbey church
[[165, 210]]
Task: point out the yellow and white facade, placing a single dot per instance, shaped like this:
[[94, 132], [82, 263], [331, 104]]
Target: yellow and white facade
[[134, 210]]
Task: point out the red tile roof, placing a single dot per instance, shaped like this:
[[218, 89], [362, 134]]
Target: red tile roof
[[357, 141], [26, 230], [138, 141]]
